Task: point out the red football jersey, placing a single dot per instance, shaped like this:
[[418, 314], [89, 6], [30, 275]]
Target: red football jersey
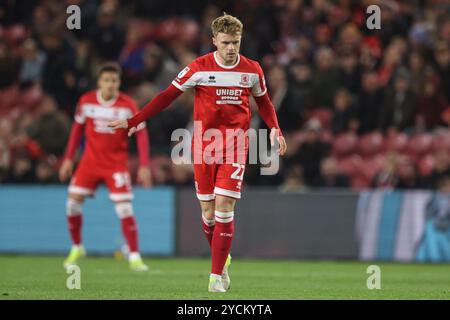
[[104, 146], [222, 92]]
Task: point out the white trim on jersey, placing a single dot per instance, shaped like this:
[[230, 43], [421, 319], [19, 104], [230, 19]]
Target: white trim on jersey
[[228, 193], [227, 79], [189, 83], [179, 86], [95, 111], [259, 94], [257, 91], [79, 118], [224, 66]]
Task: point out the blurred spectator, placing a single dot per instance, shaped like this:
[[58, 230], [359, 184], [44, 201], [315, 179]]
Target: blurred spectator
[[182, 174], [420, 71], [302, 83], [349, 71], [325, 78], [311, 152], [387, 178], [440, 170], [9, 66], [390, 62], [22, 170], [400, 105], [60, 58], [344, 114], [370, 103], [330, 176], [45, 172], [431, 104], [442, 58], [158, 67], [289, 107], [408, 177], [33, 61], [107, 36], [51, 128], [294, 181]]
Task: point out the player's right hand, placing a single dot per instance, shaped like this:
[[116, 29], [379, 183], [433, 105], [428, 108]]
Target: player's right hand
[[122, 124], [65, 171]]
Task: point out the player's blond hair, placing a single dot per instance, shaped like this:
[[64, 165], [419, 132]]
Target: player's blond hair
[[227, 24]]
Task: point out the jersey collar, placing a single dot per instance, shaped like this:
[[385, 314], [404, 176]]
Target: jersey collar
[[224, 66], [103, 102]]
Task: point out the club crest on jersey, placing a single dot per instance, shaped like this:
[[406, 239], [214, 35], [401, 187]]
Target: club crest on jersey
[[245, 79]]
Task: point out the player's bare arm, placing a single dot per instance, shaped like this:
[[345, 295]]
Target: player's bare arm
[[66, 169], [275, 135], [144, 176]]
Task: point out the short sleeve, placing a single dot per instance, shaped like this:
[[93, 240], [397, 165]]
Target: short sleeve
[[186, 79], [259, 86]]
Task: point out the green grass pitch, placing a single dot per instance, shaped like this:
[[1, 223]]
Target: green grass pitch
[[43, 277]]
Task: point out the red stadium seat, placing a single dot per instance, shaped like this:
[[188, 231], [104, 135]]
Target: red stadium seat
[[15, 34], [31, 97], [372, 166], [426, 165], [298, 137], [327, 136], [351, 165], [395, 142], [370, 143], [441, 140], [360, 182], [323, 115], [420, 144], [10, 96], [344, 144]]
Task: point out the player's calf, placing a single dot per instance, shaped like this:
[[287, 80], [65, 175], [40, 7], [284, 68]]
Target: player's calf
[[128, 223], [74, 222]]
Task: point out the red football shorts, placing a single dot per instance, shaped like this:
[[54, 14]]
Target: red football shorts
[[88, 176], [218, 179]]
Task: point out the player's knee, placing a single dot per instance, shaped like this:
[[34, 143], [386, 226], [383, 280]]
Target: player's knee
[[73, 207], [123, 209], [77, 197], [208, 210], [224, 204]]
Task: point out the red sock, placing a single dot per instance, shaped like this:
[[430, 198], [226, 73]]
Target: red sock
[[129, 230], [208, 229], [75, 222], [222, 239]]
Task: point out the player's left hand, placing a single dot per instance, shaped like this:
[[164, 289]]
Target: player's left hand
[[144, 176], [282, 142]]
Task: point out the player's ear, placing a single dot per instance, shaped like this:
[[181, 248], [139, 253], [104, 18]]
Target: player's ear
[[214, 40]]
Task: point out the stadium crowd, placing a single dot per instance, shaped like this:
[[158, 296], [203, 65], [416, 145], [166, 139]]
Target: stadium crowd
[[359, 108]]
